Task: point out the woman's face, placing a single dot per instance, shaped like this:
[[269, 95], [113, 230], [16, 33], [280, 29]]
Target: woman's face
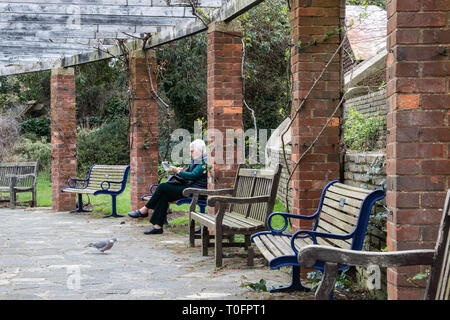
[[195, 153]]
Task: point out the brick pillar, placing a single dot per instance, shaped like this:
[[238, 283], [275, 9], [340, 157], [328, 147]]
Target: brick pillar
[[311, 20], [63, 138], [224, 56], [143, 126], [417, 150]]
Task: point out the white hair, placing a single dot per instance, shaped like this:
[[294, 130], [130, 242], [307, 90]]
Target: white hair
[[199, 145]]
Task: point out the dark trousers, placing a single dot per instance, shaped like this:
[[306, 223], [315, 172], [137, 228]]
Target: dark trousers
[[159, 202]]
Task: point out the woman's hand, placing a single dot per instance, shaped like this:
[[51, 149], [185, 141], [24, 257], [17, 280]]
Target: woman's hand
[[175, 169]]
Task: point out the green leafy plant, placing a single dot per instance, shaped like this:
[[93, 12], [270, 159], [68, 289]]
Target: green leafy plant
[[256, 286], [342, 282], [362, 131], [31, 150], [419, 276]]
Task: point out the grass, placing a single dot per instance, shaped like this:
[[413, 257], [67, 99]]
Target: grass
[[101, 204]]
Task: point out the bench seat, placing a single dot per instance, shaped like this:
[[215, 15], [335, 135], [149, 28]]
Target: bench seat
[[233, 222]]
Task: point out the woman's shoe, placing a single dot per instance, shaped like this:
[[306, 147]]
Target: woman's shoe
[[137, 214], [154, 231]]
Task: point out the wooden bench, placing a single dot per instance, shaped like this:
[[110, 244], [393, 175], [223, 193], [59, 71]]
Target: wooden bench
[[438, 285], [17, 177], [244, 211], [102, 179], [340, 221]]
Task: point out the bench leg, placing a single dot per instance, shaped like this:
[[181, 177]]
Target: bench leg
[[12, 199], [205, 241], [296, 284], [218, 248], [34, 203], [191, 233], [114, 210], [80, 205]]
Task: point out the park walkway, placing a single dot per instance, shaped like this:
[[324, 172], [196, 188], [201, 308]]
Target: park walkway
[[43, 256]]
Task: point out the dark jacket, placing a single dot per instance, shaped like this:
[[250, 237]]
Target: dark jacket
[[197, 174]]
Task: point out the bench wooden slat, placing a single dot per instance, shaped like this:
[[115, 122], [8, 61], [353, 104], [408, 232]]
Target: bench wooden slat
[[342, 216], [267, 239], [340, 243], [347, 228], [263, 249], [349, 193]]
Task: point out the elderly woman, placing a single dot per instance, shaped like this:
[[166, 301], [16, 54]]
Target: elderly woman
[[196, 175]]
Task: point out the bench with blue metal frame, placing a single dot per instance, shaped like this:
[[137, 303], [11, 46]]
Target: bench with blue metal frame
[[102, 179], [340, 221]]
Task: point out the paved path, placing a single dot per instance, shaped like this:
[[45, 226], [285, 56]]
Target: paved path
[[43, 256]]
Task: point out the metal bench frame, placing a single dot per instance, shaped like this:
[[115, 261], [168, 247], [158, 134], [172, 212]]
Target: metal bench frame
[[15, 178], [100, 187], [281, 249]]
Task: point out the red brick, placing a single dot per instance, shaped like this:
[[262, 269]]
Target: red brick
[[421, 19], [436, 5]]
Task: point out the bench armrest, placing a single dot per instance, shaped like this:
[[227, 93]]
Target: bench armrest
[[237, 200], [151, 189], [75, 182], [192, 191], [333, 257], [309, 255], [108, 182], [286, 216]]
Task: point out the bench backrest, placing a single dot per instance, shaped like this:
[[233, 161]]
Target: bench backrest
[[18, 168], [100, 173], [252, 183], [345, 210], [438, 287]]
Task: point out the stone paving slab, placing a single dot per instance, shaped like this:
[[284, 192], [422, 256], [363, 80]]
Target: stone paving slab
[[43, 256]]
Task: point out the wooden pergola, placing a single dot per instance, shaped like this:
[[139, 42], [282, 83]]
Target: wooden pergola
[[40, 35]]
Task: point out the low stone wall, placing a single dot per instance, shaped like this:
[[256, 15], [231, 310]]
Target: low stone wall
[[276, 156], [368, 170], [368, 104]]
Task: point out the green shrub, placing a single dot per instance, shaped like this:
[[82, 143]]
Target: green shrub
[[362, 131], [37, 126], [107, 144], [31, 150]]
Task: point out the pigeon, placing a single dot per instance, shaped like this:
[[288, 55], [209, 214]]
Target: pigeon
[[103, 245]]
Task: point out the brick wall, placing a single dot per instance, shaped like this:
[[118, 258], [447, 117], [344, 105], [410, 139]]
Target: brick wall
[[417, 150], [143, 126], [224, 56], [310, 21], [63, 136]]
